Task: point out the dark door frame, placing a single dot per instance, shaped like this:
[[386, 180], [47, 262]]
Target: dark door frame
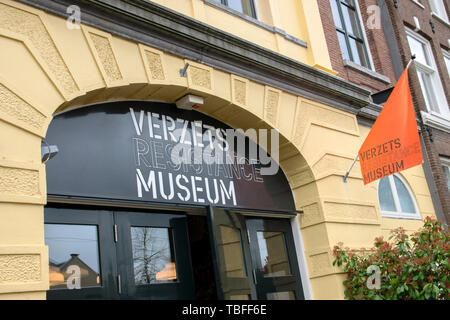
[[111, 285], [183, 288], [107, 253], [250, 252], [111, 226], [292, 282]]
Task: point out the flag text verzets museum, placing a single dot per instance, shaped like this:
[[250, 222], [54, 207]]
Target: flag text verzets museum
[[393, 143]]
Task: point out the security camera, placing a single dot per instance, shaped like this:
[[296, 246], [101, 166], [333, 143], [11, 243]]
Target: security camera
[[189, 102]]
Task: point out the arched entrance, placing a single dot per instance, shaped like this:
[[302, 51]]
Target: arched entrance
[[147, 201]]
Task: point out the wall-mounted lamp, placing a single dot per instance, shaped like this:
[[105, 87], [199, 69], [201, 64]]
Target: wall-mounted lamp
[[432, 26], [184, 70], [430, 133]]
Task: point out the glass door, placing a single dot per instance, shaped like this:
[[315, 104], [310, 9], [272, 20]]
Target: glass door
[[231, 254], [82, 258], [254, 258], [153, 256], [274, 260], [103, 254]]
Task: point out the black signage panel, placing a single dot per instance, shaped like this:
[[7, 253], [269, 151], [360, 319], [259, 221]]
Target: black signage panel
[[154, 152]]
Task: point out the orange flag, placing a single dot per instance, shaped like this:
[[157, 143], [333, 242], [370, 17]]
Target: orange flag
[[393, 142]]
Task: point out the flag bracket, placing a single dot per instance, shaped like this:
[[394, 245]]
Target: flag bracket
[[350, 169], [413, 57]]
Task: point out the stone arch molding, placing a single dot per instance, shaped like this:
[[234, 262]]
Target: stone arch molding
[[42, 75], [46, 68]]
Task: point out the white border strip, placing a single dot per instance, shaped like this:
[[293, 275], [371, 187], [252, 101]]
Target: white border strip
[[301, 258]]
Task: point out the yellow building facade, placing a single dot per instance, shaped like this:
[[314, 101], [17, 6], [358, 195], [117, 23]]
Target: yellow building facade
[[47, 67]]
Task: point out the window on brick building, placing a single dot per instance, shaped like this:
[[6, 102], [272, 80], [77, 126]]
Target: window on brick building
[[447, 61], [428, 75], [246, 7], [446, 168], [396, 199], [438, 8], [350, 32]]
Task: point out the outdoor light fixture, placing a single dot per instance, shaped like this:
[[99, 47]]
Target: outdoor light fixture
[[48, 152], [183, 72], [189, 102]]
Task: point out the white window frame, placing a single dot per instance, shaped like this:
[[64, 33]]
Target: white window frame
[[255, 8], [364, 37], [437, 8], [446, 55], [445, 162], [399, 214], [432, 70], [418, 3], [366, 42]]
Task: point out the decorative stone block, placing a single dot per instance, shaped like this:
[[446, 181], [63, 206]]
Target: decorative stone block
[[18, 112], [239, 88], [23, 268], [154, 64], [200, 77], [103, 52], [32, 28], [22, 182], [271, 105]]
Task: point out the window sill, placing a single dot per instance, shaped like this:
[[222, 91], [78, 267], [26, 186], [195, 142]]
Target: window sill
[[396, 215], [370, 73], [436, 121], [254, 21], [440, 19], [418, 3]]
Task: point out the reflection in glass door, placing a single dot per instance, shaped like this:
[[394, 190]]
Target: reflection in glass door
[[274, 260], [100, 254], [153, 256], [81, 254], [230, 245], [74, 261], [254, 257]]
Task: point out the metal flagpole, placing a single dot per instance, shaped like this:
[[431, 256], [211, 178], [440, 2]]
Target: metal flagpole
[[413, 57], [350, 169]]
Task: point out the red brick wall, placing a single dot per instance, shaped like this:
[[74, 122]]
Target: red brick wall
[[439, 144], [378, 49]]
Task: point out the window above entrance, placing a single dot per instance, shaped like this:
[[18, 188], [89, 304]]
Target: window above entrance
[[246, 7]]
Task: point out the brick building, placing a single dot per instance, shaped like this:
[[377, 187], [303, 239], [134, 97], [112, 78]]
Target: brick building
[[369, 44], [422, 28], [92, 205]]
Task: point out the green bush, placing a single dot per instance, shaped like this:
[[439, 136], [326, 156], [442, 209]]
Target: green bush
[[411, 267]]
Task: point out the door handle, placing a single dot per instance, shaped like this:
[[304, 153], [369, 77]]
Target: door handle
[[119, 284], [254, 276]]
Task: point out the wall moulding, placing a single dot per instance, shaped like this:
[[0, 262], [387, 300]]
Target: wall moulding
[[22, 182], [31, 26], [23, 269], [151, 24]]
